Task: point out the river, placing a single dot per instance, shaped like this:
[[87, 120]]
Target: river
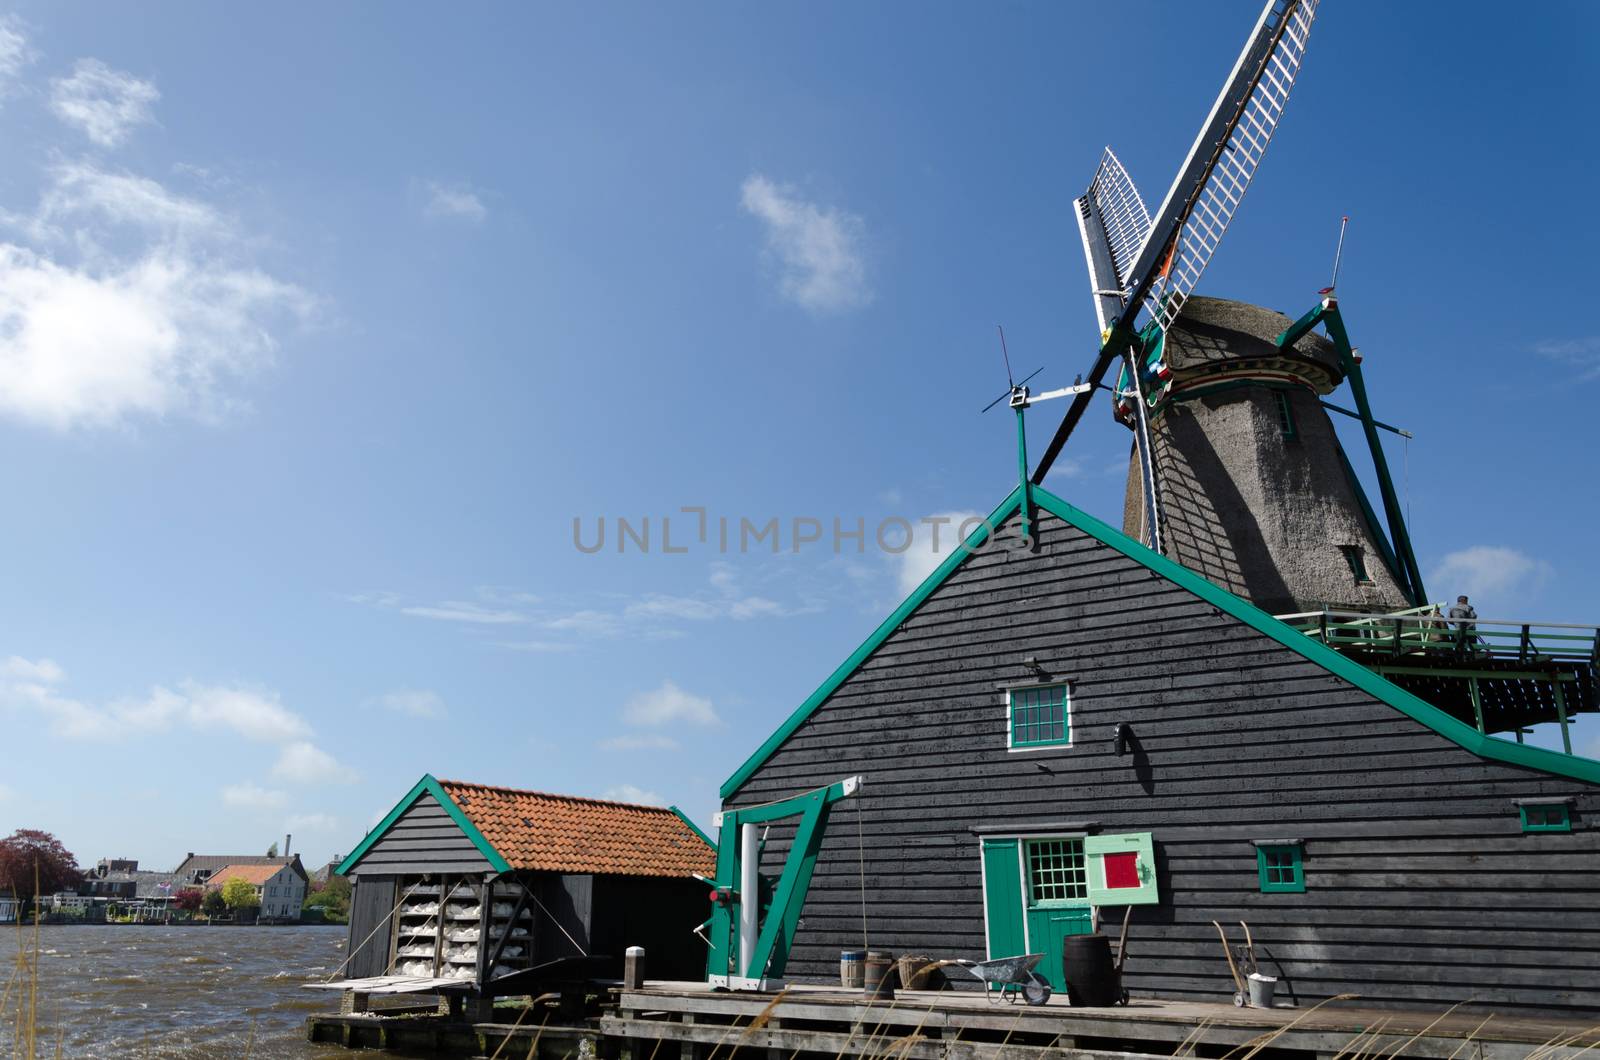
[[161, 992]]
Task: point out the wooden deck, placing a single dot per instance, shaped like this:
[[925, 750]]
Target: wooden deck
[[963, 1025]]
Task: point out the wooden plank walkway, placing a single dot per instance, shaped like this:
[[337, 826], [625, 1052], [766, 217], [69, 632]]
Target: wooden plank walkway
[[963, 1025]]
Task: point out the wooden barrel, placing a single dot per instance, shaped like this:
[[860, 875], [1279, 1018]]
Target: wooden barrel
[[1088, 971], [880, 975]]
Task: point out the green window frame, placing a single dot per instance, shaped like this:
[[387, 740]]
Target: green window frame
[[1285, 415], [1281, 867], [1545, 817], [1058, 872], [1038, 716], [1358, 563]]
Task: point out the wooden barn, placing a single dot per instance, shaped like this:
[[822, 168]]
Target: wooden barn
[[500, 888], [1049, 735]]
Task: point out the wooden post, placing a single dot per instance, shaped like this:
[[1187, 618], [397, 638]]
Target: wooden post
[[1477, 703]]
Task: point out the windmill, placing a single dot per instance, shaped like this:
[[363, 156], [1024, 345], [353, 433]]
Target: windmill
[[1235, 469]]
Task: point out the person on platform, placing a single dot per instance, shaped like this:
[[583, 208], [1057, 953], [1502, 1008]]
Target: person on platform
[[1462, 614]]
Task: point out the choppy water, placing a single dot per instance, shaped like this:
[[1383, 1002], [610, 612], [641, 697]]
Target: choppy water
[[164, 993]]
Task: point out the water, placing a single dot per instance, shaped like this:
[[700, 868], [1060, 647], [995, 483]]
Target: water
[[159, 992]]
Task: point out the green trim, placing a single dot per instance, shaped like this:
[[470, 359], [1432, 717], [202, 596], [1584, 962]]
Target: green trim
[[693, 827], [427, 785], [1553, 817], [1458, 732], [1296, 862], [870, 645], [1065, 740]]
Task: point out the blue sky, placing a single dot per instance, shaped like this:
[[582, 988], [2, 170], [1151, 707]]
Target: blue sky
[[322, 324]]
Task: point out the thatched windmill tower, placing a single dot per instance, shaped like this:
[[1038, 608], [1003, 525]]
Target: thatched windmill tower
[[1254, 489]]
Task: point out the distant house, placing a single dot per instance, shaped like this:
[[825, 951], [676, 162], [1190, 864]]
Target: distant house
[[197, 869], [499, 887], [280, 887], [8, 907], [326, 872]]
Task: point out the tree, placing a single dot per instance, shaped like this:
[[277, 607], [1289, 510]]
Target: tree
[[333, 898], [212, 904], [240, 894], [29, 849], [189, 900], [272, 851]]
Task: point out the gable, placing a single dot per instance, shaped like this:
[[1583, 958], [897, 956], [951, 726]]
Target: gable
[[1202, 593], [425, 832]]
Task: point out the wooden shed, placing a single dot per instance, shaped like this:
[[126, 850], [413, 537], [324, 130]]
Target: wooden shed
[[491, 885], [1050, 735]]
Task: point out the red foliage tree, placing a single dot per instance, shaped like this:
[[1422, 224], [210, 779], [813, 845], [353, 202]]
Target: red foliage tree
[[28, 847], [188, 899]]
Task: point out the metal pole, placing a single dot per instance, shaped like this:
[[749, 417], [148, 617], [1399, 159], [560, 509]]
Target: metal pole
[[1022, 473], [1477, 703], [749, 898]]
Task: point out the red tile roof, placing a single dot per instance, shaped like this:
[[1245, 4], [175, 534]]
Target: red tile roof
[[562, 833], [256, 874]]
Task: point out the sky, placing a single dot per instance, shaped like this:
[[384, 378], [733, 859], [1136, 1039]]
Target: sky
[[329, 335]]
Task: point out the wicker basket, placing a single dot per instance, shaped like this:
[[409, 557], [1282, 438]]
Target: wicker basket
[[918, 971]]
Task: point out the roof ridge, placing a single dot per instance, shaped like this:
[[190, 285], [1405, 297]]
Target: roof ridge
[[447, 784]]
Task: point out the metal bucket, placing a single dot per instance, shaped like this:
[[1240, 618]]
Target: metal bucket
[[1262, 988], [852, 972], [880, 975]]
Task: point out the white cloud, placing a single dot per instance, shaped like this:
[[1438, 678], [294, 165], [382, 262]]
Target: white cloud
[[538, 647], [314, 822], [629, 793], [303, 762], [416, 702], [464, 611], [160, 325], [1581, 354], [588, 623], [816, 249], [103, 103], [44, 670], [454, 201], [933, 538], [667, 705], [33, 687], [14, 52], [1497, 579], [648, 741], [252, 797]]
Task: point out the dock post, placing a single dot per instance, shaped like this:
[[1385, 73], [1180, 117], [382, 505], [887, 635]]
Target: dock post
[[633, 968]]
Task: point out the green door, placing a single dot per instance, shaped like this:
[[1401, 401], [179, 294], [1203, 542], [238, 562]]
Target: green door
[[1057, 896], [1002, 898], [1035, 893]]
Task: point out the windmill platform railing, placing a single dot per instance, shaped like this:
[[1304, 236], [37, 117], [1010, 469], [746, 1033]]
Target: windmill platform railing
[[1501, 675]]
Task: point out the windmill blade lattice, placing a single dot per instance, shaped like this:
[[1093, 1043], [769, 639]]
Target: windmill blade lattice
[[1222, 184], [1122, 211]]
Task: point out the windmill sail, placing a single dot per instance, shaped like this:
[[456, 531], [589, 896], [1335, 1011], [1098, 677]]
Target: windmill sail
[[1114, 223], [1186, 228], [1213, 179]]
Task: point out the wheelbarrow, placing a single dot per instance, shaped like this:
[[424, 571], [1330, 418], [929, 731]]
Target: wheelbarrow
[[1015, 976]]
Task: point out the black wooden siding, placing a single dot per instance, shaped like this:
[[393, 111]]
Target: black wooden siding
[[423, 839], [1421, 887]]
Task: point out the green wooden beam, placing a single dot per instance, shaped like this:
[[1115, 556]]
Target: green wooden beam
[[1398, 534], [1302, 327]]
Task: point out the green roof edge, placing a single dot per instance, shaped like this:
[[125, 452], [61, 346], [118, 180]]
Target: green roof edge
[[1458, 732], [694, 827], [879, 635], [427, 785]]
